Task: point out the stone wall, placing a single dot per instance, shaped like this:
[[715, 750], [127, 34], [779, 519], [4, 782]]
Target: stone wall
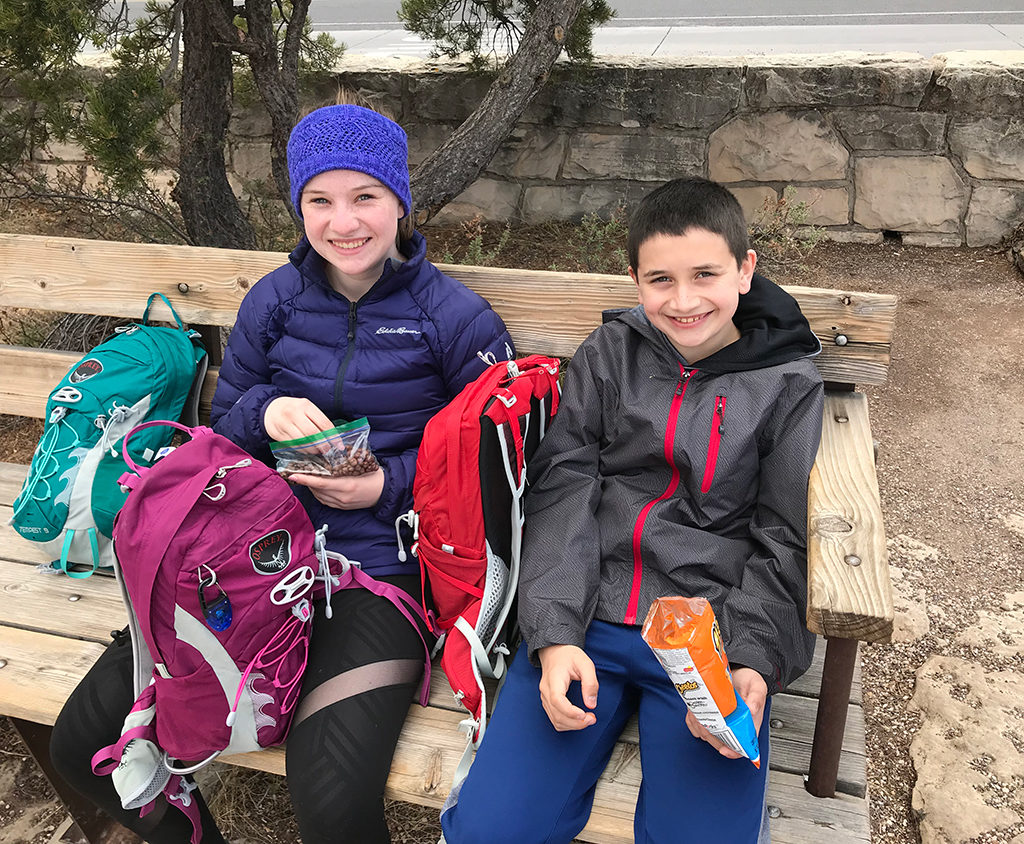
[[929, 148]]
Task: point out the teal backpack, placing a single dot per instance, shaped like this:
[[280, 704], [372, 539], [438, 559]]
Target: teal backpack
[[71, 494]]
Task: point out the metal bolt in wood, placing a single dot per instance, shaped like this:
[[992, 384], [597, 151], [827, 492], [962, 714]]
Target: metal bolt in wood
[[852, 560]]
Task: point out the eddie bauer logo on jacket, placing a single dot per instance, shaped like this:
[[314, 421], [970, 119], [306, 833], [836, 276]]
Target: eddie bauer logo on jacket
[[271, 553], [86, 369]]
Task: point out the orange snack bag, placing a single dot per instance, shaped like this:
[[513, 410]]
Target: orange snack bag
[[684, 635]]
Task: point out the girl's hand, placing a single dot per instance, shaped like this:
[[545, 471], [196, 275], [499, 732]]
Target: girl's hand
[[751, 687], [560, 666], [348, 493], [288, 418]]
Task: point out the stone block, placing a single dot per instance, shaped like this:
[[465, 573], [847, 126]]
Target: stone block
[[382, 89], [994, 212], [447, 95], [60, 151], [572, 202], [639, 93], [854, 236], [979, 83], [489, 198], [162, 181], [251, 160], [424, 138], [250, 122], [530, 152], [990, 148], [891, 129], [932, 240], [647, 158], [776, 147], [752, 199], [968, 746], [837, 80], [908, 193], [825, 206], [72, 176]]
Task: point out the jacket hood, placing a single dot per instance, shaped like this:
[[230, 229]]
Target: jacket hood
[[395, 275], [773, 331]]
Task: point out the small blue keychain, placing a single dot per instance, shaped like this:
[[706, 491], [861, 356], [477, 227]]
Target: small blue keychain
[[217, 612]]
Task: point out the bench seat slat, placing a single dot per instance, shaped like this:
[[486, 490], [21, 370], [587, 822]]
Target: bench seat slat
[[549, 312], [849, 594], [41, 670]]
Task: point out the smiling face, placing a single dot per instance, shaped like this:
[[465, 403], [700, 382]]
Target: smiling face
[[689, 285], [352, 221]]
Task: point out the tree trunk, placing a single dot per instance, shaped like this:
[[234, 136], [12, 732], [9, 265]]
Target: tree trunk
[[208, 205], [277, 80], [453, 166]]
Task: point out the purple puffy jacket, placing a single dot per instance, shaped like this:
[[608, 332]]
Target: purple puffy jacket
[[396, 356]]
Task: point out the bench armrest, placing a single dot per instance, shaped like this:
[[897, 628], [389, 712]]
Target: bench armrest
[[849, 594]]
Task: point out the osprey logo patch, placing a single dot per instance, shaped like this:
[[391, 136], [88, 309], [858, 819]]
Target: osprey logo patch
[[86, 369], [271, 553]]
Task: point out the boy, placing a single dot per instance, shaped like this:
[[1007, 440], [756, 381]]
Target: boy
[[677, 464]]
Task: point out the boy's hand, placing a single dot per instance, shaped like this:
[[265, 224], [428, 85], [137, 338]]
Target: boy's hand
[[288, 418], [560, 666], [751, 687], [344, 493]]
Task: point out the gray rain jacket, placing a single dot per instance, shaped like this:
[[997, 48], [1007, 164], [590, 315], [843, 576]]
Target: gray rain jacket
[[660, 478]]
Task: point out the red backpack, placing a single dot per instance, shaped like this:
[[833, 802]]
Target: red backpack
[[468, 519]]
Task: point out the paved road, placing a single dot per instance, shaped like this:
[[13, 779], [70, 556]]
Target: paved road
[[733, 27], [667, 28]]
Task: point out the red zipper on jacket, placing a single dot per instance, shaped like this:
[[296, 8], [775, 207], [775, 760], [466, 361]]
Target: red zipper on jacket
[[638, 528], [717, 429]]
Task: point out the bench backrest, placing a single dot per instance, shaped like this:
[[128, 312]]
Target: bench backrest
[[546, 312]]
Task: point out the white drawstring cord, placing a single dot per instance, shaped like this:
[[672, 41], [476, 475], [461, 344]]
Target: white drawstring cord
[[412, 519], [320, 549]]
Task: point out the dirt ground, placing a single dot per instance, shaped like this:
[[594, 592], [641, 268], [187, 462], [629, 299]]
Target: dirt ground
[[950, 423]]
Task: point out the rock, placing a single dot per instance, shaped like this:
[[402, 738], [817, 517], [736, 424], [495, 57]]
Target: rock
[[992, 148], [251, 161], [489, 198], [425, 139], [778, 146], [1015, 522], [641, 92], [969, 745], [980, 83], [908, 193], [572, 202], [931, 240], [854, 236], [536, 153], [635, 157], [752, 200], [993, 213], [825, 206], [838, 80], [450, 95], [889, 129], [1000, 632]]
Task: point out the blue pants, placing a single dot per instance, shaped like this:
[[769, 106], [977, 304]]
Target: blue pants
[[531, 784]]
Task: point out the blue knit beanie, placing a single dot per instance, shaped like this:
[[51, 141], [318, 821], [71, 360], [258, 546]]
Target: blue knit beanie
[[349, 137]]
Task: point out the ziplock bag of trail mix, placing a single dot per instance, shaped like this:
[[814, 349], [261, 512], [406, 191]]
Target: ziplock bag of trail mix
[[343, 450]]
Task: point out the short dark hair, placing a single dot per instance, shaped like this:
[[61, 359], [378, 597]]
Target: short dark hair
[[684, 204]]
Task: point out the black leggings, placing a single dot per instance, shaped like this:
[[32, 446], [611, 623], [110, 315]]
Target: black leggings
[[364, 667]]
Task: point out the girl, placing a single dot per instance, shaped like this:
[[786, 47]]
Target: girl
[[358, 323]]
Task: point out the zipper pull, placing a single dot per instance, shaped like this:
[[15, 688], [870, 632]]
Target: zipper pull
[[351, 320], [720, 410]]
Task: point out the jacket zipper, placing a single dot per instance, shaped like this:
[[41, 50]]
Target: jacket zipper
[[717, 429], [339, 382], [638, 527]]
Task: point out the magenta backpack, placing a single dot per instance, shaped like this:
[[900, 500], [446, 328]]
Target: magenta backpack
[[216, 561]]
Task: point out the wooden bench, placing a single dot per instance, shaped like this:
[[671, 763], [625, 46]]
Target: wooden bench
[[53, 628]]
